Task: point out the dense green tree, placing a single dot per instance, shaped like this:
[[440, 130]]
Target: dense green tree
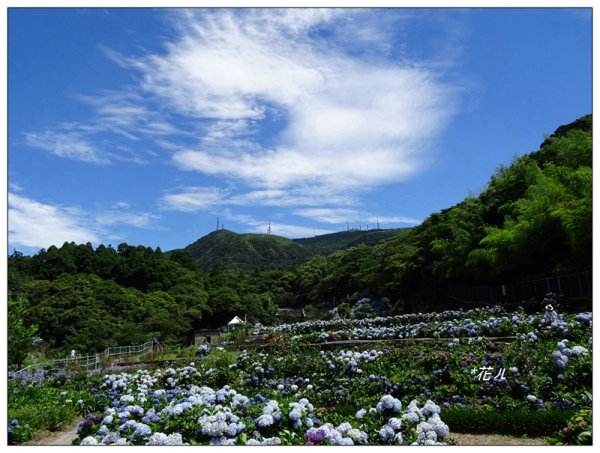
[[20, 335]]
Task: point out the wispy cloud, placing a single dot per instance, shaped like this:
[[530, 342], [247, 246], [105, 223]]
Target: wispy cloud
[[291, 108], [393, 220], [329, 215], [70, 145], [338, 216], [348, 122], [279, 229], [131, 218], [193, 199], [119, 121]]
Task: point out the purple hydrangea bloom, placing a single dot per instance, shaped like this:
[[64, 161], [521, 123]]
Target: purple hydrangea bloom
[[316, 436]]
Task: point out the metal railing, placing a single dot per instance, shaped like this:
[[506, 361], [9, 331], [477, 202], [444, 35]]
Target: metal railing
[[95, 361], [569, 286], [120, 351]]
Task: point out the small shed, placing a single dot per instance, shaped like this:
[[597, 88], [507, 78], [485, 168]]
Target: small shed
[[290, 315], [206, 336]]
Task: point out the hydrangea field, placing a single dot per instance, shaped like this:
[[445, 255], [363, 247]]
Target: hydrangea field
[[304, 389]]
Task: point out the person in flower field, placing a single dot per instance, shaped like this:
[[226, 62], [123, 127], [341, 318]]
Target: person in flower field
[[550, 316]]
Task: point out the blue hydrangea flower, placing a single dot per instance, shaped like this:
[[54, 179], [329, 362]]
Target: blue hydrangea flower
[[386, 433], [412, 417], [264, 420], [395, 423], [344, 428], [345, 441], [163, 439], [294, 415]]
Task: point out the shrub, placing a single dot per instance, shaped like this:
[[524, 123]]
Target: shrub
[[515, 422], [578, 430]]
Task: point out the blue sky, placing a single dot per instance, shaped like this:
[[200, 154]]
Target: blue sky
[[145, 125]]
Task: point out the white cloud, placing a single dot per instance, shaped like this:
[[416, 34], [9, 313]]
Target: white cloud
[[131, 218], [329, 215], [291, 231], [278, 229], [228, 64], [121, 205], [71, 145], [349, 124], [342, 216], [38, 225], [116, 115], [193, 199], [300, 196], [394, 220], [292, 107]]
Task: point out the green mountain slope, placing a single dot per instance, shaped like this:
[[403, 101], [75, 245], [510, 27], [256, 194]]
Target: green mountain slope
[[328, 243], [226, 250]]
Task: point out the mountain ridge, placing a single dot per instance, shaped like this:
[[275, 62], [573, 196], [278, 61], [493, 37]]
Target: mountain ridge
[[226, 250]]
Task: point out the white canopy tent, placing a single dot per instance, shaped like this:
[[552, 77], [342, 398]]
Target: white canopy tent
[[235, 321]]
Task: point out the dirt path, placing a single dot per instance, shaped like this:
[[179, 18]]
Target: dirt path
[[493, 439], [49, 438]]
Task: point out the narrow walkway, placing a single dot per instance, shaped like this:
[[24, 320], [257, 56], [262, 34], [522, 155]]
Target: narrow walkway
[[55, 438], [493, 440]]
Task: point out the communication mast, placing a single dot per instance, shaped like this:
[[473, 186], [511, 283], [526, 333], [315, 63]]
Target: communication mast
[[217, 224], [269, 228]]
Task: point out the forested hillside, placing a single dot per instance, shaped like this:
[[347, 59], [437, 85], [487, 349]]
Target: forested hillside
[[533, 219], [326, 244], [225, 250]]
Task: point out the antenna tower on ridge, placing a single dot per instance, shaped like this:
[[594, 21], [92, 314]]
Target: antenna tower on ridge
[[217, 224], [269, 228]]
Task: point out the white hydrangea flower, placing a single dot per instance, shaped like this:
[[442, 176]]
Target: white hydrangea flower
[[89, 440]]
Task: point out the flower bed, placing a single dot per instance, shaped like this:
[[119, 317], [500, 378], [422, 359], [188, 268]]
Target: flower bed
[[376, 395]]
